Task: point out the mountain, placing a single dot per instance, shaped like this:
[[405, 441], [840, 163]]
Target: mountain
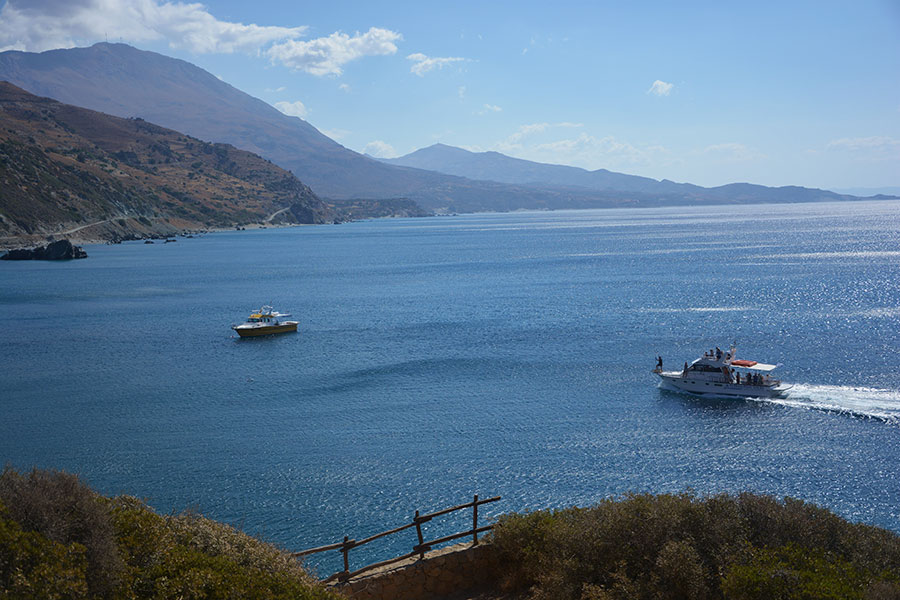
[[890, 192], [124, 81], [498, 167], [65, 169], [494, 166], [121, 80]]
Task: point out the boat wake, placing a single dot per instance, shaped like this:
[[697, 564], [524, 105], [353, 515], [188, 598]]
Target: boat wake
[[872, 403]]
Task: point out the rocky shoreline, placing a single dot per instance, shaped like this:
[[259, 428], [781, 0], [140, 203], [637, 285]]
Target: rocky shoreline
[[58, 250]]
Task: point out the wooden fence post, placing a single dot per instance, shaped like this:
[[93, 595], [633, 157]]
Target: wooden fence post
[[475, 521], [421, 539], [346, 550], [421, 548]]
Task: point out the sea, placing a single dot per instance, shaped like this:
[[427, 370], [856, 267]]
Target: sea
[[438, 358]]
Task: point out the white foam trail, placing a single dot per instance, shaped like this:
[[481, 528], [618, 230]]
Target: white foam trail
[[700, 309], [860, 401], [842, 254]]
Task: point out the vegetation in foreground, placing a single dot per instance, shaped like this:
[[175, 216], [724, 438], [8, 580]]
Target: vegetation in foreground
[[739, 547], [61, 540]]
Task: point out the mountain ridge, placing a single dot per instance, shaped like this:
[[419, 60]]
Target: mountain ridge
[[66, 169], [124, 81], [128, 82], [495, 166]]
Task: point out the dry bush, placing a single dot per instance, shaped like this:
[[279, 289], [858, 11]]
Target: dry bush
[[32, 566], [60, 540], [217, 539], [61, 508], [682, 546]]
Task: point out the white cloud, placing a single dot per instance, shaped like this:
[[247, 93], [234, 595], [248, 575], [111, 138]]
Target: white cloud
[[278, 89], [588, 145], [293, 109], [878, 147], [336, 134], [489, 108], [327, 55], [461, 92], [525, 131], [543, 142], [661, 88], [379, 149], [38, 25], [424, 64], [344, 88]]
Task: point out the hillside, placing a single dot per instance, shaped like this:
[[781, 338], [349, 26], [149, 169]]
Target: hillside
[[744, 546], [124, 81], [494, 166], [121, 80], [60, 539], [67, 169]]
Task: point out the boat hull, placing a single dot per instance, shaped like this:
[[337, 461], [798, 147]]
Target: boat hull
[[700, 387], [265, 330]]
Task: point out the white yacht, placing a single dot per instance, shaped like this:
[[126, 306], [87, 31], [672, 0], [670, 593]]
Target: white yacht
[[265, 321], [719, 373]]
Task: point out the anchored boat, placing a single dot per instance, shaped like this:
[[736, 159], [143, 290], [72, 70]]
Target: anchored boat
[[265, 322], [719, 373]]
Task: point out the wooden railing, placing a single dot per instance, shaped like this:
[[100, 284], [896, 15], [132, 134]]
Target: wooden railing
[[421, 548]]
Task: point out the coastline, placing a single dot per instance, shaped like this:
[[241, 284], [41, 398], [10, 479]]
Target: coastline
[[13, 242]]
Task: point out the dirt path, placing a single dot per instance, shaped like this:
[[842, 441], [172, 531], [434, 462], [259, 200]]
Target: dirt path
[[275, 214], [80, 227]]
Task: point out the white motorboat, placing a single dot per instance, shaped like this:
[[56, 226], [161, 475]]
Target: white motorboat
[[719, 373], [265, 321]]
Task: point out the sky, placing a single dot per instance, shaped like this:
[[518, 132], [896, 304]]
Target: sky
[[792, 92]]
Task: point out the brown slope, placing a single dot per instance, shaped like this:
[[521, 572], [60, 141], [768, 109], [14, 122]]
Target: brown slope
[[124, 81], [121, 80], [64, 168]]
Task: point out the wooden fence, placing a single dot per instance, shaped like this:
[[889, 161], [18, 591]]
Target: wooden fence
[[421, 548]]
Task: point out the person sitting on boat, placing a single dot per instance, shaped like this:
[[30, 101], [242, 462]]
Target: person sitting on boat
[[718, 353]]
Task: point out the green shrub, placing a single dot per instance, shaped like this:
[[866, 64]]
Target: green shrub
[[32, 566], [61, 508], [59, 539], [682, 546], [793, 573]]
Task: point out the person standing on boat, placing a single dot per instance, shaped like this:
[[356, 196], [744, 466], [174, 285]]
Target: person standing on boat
[[659, 363]]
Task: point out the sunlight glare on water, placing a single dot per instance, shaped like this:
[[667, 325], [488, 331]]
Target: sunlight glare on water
[[436, 358]]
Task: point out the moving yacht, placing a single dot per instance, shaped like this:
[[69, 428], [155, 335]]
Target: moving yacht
[[719, 373]]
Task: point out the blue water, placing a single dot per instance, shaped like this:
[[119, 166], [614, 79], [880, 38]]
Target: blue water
[[499, 354]]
